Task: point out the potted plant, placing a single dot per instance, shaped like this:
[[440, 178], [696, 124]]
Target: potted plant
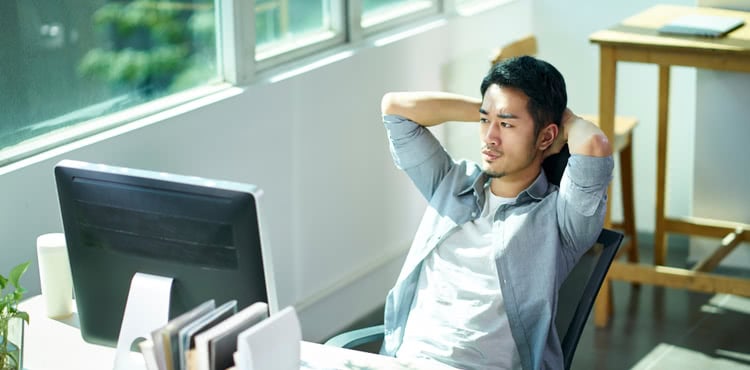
[[11, 319]]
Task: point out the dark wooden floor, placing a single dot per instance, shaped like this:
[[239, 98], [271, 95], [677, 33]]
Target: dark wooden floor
[[661, 329]]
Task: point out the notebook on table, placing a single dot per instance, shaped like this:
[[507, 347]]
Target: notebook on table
[[702, 25]]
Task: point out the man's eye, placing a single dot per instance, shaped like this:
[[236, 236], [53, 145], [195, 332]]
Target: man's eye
[[506, 124], [483, 120]]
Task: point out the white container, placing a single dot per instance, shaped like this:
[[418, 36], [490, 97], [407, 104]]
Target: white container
[[54, 275]]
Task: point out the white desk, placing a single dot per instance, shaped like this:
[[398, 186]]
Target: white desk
[[57, 345]]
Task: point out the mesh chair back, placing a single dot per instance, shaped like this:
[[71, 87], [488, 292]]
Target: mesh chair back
[[578, 291], [554, 165]]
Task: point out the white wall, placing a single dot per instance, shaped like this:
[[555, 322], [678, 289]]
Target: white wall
[[721, 134], [338, 214]]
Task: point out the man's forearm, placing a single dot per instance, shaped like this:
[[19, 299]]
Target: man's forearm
[[431, 108]]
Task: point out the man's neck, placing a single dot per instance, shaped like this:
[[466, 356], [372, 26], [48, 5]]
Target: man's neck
[[510, 186]]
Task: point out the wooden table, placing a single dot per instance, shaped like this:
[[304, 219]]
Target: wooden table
[[636, 39]]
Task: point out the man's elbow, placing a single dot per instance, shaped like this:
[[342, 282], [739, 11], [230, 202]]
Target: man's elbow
[[598, 145], [388, 103]]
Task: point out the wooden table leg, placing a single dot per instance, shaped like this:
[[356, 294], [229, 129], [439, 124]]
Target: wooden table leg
[[628, 203], [607, 79], [607, 88], [660, 237]]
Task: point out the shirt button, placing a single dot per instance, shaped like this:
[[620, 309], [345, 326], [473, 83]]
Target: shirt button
[[473, 214]]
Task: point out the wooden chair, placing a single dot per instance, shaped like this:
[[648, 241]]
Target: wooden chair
[[622, 146]]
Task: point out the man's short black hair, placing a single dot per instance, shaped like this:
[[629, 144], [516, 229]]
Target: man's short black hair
[[539, 80]]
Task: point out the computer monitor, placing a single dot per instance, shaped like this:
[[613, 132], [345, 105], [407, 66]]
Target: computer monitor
[[205, 234]]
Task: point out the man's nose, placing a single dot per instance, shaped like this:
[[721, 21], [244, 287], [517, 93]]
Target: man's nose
[[492, 136]]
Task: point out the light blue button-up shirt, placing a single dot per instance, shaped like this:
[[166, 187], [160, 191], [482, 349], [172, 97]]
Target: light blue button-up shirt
[[544, 232]]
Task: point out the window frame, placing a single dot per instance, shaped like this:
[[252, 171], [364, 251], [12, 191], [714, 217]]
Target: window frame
[[296, 49], [436, 7]]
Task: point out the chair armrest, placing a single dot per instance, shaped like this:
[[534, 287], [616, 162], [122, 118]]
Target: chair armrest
[[356, 338]]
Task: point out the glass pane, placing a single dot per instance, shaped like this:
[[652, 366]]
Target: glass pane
[[285, 20], [68, 61], [378, 11], [473, 6], [371, 6]]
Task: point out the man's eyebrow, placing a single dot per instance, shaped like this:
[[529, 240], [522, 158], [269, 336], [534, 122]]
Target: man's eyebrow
[[501, 115]]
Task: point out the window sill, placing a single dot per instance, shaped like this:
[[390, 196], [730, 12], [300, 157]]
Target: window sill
[[85, 133]]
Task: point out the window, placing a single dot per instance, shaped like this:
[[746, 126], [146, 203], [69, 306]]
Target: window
[[468, 7], [62, 66], [377, 14], [282, 26]]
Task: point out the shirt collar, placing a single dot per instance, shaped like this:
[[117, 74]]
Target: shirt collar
[[537, 190]]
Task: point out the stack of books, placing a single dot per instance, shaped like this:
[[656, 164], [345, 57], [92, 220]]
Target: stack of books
[[219, 338]]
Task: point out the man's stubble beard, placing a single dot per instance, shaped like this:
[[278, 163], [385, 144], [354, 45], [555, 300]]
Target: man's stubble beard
[[494, 175]]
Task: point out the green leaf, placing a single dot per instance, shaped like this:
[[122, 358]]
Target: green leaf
[[18, 294], [16, 272], [22, 315], [3, 282], [13, 359], [108, 13]]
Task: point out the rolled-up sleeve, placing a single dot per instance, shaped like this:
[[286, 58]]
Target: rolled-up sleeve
[[585, 181], [410, 143], [417, 152], [582, 200]]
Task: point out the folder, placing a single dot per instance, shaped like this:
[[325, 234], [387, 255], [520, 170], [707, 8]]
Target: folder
[[165, 338], [215, 346], [186, 335], [273, 343]]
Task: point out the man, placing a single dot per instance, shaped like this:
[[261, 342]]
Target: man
[[478, 289]]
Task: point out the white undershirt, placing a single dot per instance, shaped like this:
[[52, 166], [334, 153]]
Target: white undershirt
[[457, 316]]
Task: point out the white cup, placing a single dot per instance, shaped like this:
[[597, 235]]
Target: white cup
[[54, 274]]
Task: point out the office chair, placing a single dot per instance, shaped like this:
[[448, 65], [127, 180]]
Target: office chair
[[575, 299], [622, 146]]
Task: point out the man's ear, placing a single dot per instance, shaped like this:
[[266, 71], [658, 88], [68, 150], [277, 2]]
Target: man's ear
[[547, 136]]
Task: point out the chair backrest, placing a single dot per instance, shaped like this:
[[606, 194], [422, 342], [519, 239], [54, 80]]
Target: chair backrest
[[578, 292], [523, 46], [554, 165]]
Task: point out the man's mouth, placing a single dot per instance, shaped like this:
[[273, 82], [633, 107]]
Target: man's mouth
[[490, 155]]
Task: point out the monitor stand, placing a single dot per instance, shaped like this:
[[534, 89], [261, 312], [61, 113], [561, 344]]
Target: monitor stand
[[146, 310]]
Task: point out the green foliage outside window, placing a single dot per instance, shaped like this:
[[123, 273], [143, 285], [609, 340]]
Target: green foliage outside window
[[152, 46]]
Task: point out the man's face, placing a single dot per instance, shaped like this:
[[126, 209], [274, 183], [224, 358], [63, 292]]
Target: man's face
[[507, 132]]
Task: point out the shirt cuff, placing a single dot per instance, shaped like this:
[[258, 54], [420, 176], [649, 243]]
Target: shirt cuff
[[587, 171]]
